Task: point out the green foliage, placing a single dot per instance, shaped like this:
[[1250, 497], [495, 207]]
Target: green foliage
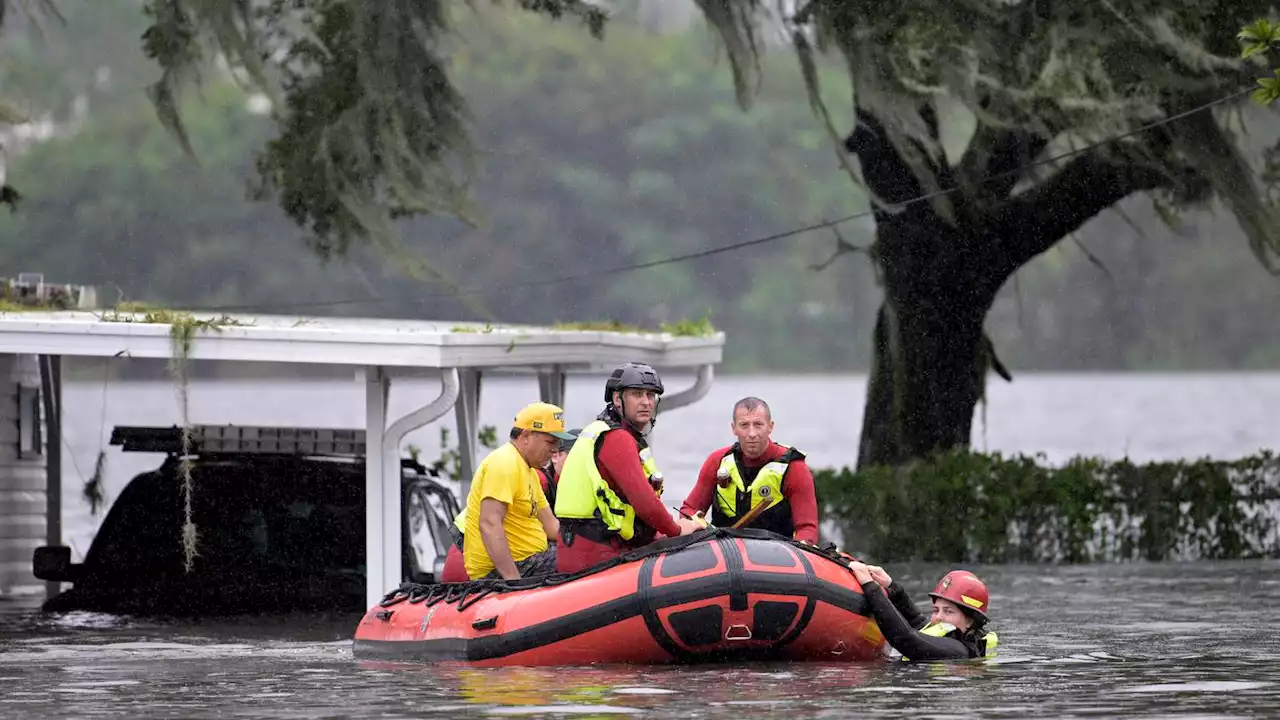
[[593, 156], [630, 151], [183, 325], [701, 327], [29, 90], [371, 125], [1068, 72], [183, 328], [1258, 39], [577, 138], [118, 205], [1126, 86], [599, 326], [971, 507]]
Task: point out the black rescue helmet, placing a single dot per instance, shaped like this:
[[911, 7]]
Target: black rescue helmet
[[632, 375]]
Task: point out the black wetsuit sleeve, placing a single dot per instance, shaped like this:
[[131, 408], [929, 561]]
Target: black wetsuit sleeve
[[904, 638], [910, 612]]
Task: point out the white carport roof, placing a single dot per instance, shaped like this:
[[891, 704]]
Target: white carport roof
[[352, 341], [383, 348]]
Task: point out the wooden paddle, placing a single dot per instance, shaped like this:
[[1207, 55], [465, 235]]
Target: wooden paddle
[[753, 513]]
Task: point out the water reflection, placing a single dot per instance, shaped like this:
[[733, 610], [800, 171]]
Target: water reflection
[[649, 687]]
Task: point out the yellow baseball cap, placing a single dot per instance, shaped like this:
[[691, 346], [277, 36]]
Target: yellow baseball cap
[[545, 418]]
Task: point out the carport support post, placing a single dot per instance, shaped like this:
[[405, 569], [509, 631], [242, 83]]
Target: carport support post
[[467, 412], [382, 568], [384, 550], [551, 384], [51, 393]]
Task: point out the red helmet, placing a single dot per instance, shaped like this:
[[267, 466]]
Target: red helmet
[[965, 590]]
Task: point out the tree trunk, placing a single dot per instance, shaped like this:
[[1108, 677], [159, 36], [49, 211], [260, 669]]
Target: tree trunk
[[929, 361], [941, 276]]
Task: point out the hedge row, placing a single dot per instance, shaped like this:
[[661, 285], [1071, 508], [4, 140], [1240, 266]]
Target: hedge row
[[976, 507]]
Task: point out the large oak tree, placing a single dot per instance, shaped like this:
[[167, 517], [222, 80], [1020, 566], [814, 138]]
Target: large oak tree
[[371, 129], [1033, 79]]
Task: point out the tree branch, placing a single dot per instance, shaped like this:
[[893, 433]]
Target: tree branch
[[1034, 221], [883, 169], [991, 360], [1093, 259], [999, 148], [842, 246], [997, 153]]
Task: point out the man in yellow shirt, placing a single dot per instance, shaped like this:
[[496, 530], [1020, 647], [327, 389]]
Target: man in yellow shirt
[[508, 519]]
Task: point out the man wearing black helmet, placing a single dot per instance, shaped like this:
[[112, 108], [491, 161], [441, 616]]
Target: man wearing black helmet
[[608, 494]]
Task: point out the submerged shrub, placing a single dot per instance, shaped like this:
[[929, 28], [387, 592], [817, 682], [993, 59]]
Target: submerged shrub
[[963, 506]]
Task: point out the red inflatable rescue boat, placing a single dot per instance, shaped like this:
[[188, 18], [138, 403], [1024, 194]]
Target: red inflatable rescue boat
[[713, 596]]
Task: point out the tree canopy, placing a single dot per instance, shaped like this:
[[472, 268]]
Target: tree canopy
[[1071, 108], [590, 155], [371, 125], [1033, 78], [1033, 118]]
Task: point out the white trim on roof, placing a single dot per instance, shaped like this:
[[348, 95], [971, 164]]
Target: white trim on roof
[[353, 341]]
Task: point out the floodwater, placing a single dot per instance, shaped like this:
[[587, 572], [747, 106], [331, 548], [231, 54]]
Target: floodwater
[[1185, 640], [1156, 641]]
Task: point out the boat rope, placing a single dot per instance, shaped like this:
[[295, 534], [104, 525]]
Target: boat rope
[[468, 593]]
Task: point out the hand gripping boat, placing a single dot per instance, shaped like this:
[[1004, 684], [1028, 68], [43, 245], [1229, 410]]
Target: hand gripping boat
[[715, 595]]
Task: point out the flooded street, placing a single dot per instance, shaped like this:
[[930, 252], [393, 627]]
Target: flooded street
[[1171, 641], [260, 341]]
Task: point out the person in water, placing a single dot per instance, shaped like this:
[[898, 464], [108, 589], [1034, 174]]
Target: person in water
[[455, 569], [957, 629], [753, 472], [509, 522], [609, 490]]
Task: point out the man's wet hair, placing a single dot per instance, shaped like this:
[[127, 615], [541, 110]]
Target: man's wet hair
[[515, 432], [749, 404]]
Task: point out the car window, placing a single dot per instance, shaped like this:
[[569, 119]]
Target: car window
[[252, 517]]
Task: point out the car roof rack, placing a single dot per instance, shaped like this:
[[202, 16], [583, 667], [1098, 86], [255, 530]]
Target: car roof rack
[[242, 440]]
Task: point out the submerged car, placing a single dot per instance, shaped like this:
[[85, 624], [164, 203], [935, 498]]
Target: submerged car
[[280, 516]]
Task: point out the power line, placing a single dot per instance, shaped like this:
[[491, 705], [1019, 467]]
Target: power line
[[731, 247]]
